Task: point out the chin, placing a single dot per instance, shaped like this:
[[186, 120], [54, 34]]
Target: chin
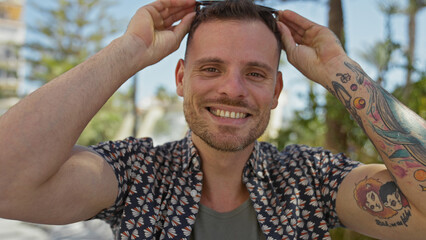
[[226, 141]]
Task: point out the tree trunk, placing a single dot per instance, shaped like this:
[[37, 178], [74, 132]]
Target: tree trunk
[[336, 137], [411, 11]]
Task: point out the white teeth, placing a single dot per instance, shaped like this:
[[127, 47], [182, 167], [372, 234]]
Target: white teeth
[[227, 114]]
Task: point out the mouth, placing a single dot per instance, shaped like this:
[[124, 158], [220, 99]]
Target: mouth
[[227, 114]]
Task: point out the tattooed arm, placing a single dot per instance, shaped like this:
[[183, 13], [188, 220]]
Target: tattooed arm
[[384, 201]]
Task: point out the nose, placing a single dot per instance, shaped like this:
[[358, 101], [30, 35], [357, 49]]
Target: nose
[[233, 85]]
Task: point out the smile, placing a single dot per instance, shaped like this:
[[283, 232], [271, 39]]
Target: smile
[[227, 114]]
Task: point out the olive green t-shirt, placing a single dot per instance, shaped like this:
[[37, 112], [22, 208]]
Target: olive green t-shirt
[[240, 223]]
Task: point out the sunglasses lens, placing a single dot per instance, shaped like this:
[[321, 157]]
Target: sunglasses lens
[[200, 5]]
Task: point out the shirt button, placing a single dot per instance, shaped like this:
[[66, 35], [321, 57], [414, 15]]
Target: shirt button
[[194, 193]]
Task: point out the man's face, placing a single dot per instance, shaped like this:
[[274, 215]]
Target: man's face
[[229, 82]]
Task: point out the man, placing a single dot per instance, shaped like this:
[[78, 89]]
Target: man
[[217, 182]]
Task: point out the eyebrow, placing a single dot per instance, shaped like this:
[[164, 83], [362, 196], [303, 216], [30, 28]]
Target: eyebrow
[[218, 60], [208, 60], [260, 65]]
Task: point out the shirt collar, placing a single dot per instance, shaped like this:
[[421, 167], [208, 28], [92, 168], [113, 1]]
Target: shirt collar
[[191, 160], [256, 163]]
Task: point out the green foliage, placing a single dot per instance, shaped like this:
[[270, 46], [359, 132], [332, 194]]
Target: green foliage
[[68, 33], [169, 100], [164, 96], [104, 125], [306, 127], [416, 101], [380, 55]]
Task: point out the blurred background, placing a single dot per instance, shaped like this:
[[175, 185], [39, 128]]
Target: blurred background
[[40, 40]]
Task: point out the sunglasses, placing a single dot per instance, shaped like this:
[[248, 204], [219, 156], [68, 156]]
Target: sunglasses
[[201, 4]]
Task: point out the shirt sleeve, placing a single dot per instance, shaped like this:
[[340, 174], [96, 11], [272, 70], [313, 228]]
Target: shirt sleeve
[[123, 156], [327, 172]]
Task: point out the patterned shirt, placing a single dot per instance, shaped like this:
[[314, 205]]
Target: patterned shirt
[[292, 191]]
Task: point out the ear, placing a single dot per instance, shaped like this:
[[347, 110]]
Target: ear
[[179, 73], [278, 88]]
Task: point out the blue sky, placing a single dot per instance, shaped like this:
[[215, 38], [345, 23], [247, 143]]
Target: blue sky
[[364, 25]]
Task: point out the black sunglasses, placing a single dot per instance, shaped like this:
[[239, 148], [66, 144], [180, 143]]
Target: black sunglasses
[[200, 4]]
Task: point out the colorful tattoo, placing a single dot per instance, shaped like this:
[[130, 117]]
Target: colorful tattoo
[[359, 103], [340, 92], [403, 132], [420, 175], [384, 201]]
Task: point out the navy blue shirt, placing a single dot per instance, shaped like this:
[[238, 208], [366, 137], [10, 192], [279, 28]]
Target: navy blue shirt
[[292, 191]]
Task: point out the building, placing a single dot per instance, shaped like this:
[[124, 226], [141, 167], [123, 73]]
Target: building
[[12, 35]]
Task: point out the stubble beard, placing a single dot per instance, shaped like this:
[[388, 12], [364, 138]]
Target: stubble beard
[[228, 139]]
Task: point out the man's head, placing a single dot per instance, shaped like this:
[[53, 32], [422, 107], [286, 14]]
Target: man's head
[[243, 10], [229, 79]]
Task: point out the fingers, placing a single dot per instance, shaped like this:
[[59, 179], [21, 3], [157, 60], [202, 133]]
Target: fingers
[[183, 27], [165, 13], [298, 26], [286, 36], [298, 23], [175, 15]]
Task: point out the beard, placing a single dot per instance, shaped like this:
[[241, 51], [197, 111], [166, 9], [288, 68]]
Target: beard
[[228, 138]]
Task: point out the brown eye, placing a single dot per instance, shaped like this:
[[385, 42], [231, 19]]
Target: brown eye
[[254, 74], [210, 69]]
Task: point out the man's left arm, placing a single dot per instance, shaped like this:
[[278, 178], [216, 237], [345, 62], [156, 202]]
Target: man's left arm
[[384, 201]]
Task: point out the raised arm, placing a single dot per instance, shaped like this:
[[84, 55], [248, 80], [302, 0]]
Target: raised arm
[[384, 201], [43, 177]]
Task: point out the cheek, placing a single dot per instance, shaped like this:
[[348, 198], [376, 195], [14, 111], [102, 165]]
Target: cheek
[[263, 96]]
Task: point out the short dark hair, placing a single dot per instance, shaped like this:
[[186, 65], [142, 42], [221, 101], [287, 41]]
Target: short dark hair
[[235, 10], [387, 189]]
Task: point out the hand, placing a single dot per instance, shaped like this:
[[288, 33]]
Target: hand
[[313, 49], [152, 28]]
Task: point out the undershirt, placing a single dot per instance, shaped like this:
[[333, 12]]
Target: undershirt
[[240, 223]]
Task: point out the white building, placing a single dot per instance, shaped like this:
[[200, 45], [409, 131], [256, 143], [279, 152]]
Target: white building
[[12, 35]]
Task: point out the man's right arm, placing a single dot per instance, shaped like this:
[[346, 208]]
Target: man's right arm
[[43, 176]]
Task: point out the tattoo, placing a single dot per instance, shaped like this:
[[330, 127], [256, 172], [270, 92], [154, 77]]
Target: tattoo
[[400, 222], [384, 201], [420, 175], [344, 96], [360, 75], [407, 142], [359, 103], [344, 77]]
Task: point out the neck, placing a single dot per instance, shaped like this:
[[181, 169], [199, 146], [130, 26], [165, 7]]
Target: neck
[[223, 189]]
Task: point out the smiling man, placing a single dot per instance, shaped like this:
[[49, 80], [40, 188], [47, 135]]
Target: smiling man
[[230, 87], [218, 182]]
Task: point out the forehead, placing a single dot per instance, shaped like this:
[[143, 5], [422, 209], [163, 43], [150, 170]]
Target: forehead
[[234, 39]]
